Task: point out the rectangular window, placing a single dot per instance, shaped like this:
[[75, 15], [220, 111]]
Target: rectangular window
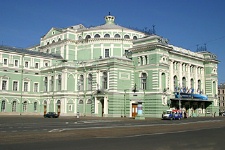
[[70, 108], [36, 65], [4, 85], [26, 64], [25, 88], [35, 106], [35, 87], [106, 52], [15, 86], [105, 80], [5, 61], [52, 83], [16, 63], [46, 84], [59, 82], [14, 106], [90, 78], [25, 106]]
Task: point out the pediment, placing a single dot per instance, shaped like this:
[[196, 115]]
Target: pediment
[[52, 32]]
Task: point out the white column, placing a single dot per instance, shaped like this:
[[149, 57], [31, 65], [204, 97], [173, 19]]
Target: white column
[[111, 49], [196, 79], [63, 105], [64, 80], [203, 81], [75, 105], [171, 83], [180, 75], [188, 77], [96, 105], [106, 105]]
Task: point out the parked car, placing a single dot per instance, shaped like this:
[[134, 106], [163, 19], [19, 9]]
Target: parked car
[[51, 115], [172, 115], [221, 113]]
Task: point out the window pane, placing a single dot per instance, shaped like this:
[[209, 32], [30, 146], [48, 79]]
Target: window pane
[[106, 52]]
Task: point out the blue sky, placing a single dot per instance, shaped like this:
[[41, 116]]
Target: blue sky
[[186, 23]]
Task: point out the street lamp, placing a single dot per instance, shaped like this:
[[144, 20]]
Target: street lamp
[[125, 99], [179, 100], [21, 85]]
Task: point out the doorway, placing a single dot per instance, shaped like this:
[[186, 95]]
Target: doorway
[[102, 111], [134, 110], [58, 107], [45, 107]]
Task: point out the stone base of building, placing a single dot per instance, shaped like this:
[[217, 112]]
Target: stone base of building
[[139, 117]]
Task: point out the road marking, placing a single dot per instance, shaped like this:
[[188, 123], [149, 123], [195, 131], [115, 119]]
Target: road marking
[[128, 126], [162, 133], [56, 130]]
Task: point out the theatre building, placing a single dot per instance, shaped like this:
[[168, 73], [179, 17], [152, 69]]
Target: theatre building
[[106, 71]]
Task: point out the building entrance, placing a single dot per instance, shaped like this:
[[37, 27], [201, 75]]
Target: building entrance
[[134, 110]]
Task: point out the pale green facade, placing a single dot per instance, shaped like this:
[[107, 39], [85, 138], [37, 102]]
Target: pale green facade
[[94, 71]]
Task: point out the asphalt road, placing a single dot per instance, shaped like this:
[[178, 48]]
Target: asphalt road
[[28, 132]]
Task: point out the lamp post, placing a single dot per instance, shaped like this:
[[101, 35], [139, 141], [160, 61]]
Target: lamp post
[[21, 86], [179, 101], [125, 99]]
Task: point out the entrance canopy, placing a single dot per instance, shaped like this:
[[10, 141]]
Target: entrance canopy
[[190, 100]]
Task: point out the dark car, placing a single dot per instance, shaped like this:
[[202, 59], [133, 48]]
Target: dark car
[[51, 115]]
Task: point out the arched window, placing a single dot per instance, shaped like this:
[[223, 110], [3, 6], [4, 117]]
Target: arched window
[[81, 101], [143, 81], [59, 82], [87, 37], [199, 86], [59, 39], [134, 37], [106, 36], [163, 81], [214, 88], [175, 83], [105, 80], [25, 106], [35, 106], [3, 106], [126, 37], [58, 102], [90, 78], [52, 83], [81, 83], [184, 82], [117, 36], [97, 36], [53, 41], [80, 38], [142, 61], [89, 101], [192, 83], [14, 106], [146, 60], [46, 84]]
